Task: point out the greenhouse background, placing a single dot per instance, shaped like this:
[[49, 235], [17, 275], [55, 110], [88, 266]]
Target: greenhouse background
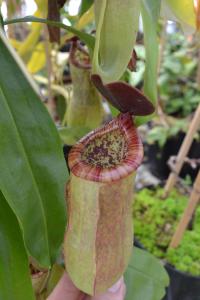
[[100, 150]]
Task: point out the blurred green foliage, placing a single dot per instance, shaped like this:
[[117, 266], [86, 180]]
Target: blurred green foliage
[[159, 133], [179, 93], [178, 89]]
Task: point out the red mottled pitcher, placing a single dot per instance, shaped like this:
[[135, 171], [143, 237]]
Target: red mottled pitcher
[[99, 238]]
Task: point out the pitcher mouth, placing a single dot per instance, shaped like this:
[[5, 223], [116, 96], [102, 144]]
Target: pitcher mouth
[[79, 57], [109, 153]]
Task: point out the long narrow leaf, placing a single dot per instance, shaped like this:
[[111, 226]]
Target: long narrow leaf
[[145, 278], [15, 282], [150, 14], [33, 172]]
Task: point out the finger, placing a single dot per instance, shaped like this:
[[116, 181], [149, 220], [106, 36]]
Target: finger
[[116, 292], [66, 290]]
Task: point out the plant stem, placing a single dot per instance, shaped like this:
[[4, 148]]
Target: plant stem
[[86, 38], [51, 102]]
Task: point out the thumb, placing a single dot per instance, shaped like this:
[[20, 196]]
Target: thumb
[[116, 292]]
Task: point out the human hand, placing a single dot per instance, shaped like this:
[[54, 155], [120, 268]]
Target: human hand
[[66, 290]]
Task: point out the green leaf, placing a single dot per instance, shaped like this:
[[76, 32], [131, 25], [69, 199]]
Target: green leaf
[[85, 5], [88, 39], [150, 14], [15, 281], [55, 275], [33, 172], [145, 277], [117, 25]]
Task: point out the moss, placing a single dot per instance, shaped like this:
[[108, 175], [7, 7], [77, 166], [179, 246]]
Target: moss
[[155, 221]]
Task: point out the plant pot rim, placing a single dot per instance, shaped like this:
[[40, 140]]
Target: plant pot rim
[[186, 274], [166, 263]]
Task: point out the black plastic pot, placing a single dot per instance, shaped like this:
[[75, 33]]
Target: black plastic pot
[[157, 157], [138, 244], [182, 286]]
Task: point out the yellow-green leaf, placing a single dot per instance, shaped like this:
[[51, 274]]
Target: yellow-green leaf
[[38, 59], [183, 10]]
